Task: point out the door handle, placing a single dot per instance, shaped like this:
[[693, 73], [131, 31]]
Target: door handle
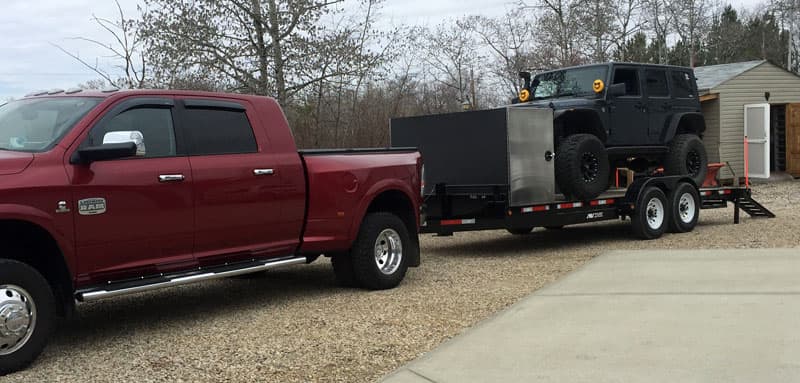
[[171, 178], [263, 172]]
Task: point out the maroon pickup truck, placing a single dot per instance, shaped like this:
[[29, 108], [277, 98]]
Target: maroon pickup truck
[[110, 193]]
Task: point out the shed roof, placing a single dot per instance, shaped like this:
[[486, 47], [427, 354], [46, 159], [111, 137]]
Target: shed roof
[[711, 76]]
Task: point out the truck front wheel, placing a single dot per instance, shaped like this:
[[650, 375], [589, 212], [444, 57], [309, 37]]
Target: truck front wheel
[[380, 253], [27, 315]]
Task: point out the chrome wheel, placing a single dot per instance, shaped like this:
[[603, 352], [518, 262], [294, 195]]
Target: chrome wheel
[[655, 213], [17, 318], [686, 208], [388, 251]]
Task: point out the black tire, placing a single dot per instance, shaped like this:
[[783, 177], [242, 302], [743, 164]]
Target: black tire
[[582, 167], [389, 231], [687, 156], [651, 217], [343, 268], [19, 285], [520, 230], [684, 208]]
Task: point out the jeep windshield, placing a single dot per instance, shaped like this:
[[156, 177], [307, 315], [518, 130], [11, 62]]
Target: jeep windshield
[[576, 82], [35, 125]]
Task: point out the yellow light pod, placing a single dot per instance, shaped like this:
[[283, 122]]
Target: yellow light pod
[[524, 95], [598, 86]]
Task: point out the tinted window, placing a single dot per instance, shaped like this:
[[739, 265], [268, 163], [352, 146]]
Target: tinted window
[[656, 83], [681, 85], [629, 77], [155, 124], [219, 131]]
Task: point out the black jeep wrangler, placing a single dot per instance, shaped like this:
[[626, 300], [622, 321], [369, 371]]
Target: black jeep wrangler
[[638, 116]]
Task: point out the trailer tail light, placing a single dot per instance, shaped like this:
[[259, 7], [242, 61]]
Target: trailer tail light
[[454, 222]]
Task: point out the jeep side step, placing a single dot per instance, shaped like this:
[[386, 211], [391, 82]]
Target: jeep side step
[[113, 289]]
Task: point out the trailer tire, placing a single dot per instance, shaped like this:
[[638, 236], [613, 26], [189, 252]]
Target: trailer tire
[[380, 253], [582, 167], [684, 208], [28, 303], [520, 230], [687, 156], [650, 219]]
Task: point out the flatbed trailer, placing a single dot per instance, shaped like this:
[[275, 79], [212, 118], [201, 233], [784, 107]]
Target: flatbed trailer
[[493, 169], [439, 217]]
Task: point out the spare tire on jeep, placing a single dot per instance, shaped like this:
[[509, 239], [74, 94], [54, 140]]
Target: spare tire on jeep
[[687, 156], [582, 167]]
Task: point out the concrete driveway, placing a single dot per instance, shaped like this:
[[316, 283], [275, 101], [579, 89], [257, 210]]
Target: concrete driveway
[[639, 316]]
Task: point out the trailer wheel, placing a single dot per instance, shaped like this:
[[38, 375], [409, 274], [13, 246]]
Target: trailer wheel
[[380, 253], [687, 156], [650, 219], [520, 230], [685, 208], [27, 315], [582, 167]]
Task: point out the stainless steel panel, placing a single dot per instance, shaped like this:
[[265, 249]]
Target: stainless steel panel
[[530, 138]]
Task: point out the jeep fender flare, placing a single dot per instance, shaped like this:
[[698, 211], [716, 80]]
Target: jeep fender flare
[[592, 123], [695, 119]]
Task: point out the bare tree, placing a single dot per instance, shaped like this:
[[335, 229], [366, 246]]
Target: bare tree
[[661, 21], [628, 22], [270, 47], [561, 25], [126, 49], [692, 20]]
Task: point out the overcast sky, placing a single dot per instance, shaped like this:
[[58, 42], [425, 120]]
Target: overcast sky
[[29, 27]]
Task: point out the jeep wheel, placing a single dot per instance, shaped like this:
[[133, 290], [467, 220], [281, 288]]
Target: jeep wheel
[[582, 168], [380, 254], [27, 315], [687, 156]]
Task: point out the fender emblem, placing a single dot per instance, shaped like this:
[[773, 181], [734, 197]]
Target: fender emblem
[[62, 207], [92, 206]]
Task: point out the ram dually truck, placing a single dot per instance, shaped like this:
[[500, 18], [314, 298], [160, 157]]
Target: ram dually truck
[[105, 193]]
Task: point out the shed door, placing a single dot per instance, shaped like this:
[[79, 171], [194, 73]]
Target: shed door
[[793, 139], [756, 133]]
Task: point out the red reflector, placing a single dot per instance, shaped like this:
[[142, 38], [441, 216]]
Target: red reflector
[[728, 191], [540, 208], [450, 222], [594, 203]]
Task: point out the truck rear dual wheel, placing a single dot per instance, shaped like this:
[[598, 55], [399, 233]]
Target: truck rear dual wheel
[[687, 156], [582, 167], [27, 315], [379, 257]]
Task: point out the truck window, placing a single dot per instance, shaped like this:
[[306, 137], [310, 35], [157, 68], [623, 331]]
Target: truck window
[[629, 77], [656, 83], [681, 85], [219, 131], [155, 124]]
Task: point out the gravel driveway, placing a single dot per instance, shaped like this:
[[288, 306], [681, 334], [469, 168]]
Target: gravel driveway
[[295, 325]]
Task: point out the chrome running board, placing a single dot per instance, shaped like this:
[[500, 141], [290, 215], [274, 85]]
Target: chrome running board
[[159, 282]]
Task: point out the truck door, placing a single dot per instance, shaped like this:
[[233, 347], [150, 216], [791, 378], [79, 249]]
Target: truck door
[[629, 120], [134, 217], [659, 104], [239, 189]]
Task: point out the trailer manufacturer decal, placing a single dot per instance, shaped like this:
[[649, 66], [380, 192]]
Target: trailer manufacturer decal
[[596, 215]]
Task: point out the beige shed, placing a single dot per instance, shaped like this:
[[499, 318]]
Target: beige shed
[[756, 99]]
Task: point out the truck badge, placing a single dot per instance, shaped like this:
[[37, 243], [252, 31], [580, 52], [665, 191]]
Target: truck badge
[[92, 206], [62, 207]]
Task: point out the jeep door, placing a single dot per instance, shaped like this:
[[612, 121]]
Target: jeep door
[[684, 94], [135, 216], [627, 113], [659, 103]]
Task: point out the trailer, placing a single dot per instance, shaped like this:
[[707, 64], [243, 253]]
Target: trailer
[[493, 169]]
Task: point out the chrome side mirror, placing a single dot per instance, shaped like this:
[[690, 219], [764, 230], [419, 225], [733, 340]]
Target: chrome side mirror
[[126, 136]]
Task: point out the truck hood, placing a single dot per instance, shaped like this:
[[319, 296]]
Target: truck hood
[[14, 162]]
